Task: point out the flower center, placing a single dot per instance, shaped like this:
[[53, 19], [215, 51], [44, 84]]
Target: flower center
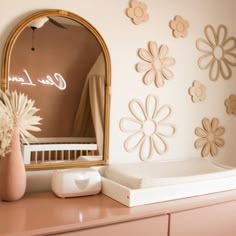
[[218, 52], [198, 92], [157, 64], [149, 127], [180, 27], [138, 12], [210, 137]]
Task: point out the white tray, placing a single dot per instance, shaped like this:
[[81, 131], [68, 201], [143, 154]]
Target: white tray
[[136, 197]]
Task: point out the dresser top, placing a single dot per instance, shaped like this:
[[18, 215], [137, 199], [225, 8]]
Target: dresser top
[[41, 213]]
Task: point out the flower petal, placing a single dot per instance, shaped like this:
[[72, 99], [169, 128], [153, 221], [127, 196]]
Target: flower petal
[[137, 110], [137, 20], [143, 66], [145, 17], [168, 61], [229, 44], [195, 98], [133, 141], [214, 70], [219, 142], [173, 24], [134, 3], [128, 125], [159, 144], [146, 149], [196, 83], [159, 79], [153, 49], [221, 34], [213, 149], [204, 46], [206, 124], [151, 106], [219, 131], [205, 61], [162, 114], [192, 91], [200, 132], [165, 130], [145, 55], [230, 58], [199, 143], [214, 124], [141, 5], [130, 13], [167, 73], [177, 33], [149, 77], [225, 70], [163, 50], [210, 35], [206, 149]]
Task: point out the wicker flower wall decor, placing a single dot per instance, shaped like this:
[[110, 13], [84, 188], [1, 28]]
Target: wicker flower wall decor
[[219, 52], [230, 104], [197, 91], [209, 137], [148, 127], [137, 12], [155, 65], [16, 110], [179, 27]]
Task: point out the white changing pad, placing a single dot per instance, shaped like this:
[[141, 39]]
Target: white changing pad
[[160, 173]]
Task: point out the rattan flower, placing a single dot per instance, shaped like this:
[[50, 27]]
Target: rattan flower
[[179, 27], [210, 137], [148, 127], [230, 104], [155, 64], [137, 12], [218, 52], [197, 91]]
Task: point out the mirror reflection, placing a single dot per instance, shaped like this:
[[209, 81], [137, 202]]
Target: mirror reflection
[[60, 64]]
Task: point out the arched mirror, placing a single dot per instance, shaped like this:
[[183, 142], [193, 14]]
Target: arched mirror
[[61, 61]]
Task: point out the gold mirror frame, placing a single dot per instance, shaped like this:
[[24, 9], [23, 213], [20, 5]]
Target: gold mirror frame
[[5, 83]]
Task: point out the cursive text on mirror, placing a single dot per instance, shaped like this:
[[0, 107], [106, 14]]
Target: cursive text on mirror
[[56, 80]]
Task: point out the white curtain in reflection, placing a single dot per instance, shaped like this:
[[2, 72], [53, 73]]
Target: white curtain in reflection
[[89, 120]]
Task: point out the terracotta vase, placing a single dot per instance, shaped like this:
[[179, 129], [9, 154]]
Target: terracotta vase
[[12, 171]]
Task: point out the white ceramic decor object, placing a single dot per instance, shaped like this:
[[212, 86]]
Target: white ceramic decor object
[[76, 182]]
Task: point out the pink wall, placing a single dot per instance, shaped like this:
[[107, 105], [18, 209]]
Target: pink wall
[[70, 52]]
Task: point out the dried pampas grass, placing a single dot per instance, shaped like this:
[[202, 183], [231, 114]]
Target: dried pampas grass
[[16, 110]]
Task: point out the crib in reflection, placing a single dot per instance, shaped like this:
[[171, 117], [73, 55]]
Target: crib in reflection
[[46, 150]]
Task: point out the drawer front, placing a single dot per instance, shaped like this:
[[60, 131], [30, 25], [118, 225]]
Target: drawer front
[[154, 226], [216, 220]]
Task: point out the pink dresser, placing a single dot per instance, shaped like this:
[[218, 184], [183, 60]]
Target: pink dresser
[[44, 214]]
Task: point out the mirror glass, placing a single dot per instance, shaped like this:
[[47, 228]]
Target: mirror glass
[[59, 60]]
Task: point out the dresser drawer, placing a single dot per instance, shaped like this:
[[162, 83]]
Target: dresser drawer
[[154, 226], [215, 220]]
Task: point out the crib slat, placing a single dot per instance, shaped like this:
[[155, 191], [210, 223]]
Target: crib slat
[[49, 155], [42, 156], [36, 157]]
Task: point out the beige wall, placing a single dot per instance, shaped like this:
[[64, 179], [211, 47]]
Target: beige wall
[[124, 39]]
